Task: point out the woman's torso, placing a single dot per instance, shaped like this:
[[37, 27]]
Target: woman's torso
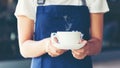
[[50, 18]]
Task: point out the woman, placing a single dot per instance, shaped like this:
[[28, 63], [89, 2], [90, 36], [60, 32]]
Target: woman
[[86, 16]]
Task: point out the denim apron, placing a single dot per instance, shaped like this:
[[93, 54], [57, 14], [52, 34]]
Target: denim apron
[[53, 18]]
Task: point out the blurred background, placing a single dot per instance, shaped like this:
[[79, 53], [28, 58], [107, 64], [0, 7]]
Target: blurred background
[[9, 51]]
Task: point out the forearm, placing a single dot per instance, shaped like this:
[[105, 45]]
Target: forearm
[[96, 28], [30, 48], [96, 33]]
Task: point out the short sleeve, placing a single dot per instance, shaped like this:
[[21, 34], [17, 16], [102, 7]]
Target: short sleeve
[[98, 6], [26, 8]]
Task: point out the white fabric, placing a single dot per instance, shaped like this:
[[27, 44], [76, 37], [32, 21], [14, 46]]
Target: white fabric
[[28, 7]]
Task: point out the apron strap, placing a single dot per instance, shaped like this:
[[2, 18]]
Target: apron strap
[[41, 2], [84, 2]]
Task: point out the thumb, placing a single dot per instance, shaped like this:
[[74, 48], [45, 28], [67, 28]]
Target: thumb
[[54, 40], [83, 42]]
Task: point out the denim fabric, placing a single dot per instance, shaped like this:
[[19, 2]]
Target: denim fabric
[[53, 18]]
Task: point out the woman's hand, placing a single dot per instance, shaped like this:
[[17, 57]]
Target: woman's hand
[[52, 50], [92, 47]]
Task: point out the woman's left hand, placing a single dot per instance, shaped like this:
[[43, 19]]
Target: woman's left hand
[[91, 47]]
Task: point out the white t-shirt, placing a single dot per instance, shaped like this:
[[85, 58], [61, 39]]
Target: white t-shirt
[[28, 7]]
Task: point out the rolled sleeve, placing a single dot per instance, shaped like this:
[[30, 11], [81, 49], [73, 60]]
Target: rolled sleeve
[[26, 8], [99, 6]]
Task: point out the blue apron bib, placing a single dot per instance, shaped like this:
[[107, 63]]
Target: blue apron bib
[[53, 18]]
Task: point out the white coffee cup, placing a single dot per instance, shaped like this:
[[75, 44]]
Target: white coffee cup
[[67, 38]]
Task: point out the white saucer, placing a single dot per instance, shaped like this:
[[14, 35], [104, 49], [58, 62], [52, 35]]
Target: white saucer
[[69, 46]]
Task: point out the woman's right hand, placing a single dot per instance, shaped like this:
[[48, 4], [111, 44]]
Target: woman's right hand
[[51, 49]]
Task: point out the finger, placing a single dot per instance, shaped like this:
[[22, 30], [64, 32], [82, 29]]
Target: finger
[[82, 50], [76, 56], [76, 53], [86, 49], [55, 53], [81, 41], [55, 39], [84, 42], [52, 55], [55, 49], [52, 52], [80, 56], [79, 53]]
